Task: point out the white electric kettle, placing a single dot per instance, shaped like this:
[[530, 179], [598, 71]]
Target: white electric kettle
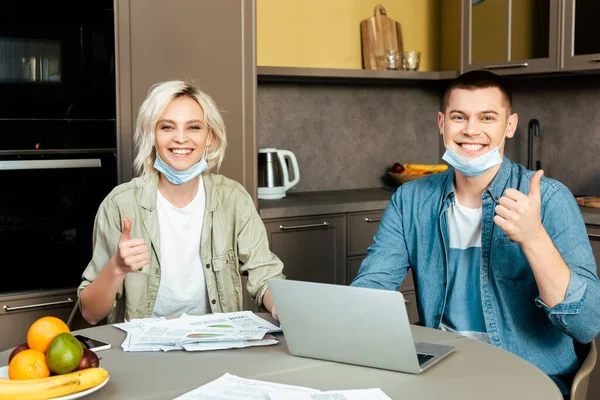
[[273, 174]]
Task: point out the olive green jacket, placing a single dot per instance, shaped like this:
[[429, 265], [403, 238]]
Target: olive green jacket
[[234, 242]]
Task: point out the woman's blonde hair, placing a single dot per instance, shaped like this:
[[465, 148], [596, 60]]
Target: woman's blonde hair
[[159, 97]]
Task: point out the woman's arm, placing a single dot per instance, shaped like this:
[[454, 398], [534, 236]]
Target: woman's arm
[[98, 298], [103, 280]]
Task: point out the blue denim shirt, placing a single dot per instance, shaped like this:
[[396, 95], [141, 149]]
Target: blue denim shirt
[[413, 234]]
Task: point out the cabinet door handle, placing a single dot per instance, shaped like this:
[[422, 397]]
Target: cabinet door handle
[[593, 236], [595, 59], [321, 225], [29, 307], [368, 220], [406, 301], [506, 66]]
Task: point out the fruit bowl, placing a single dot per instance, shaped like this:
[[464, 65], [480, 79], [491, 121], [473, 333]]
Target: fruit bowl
[[72, 396], [399, 179]]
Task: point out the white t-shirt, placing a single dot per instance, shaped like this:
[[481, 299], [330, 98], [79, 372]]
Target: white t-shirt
[[182, 284], [463, 312]]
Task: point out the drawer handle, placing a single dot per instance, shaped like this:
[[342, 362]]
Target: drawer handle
[[369, 220], [321, 225], [595, 59], [406, 301], [593, 236], [29, 307], [506, 66]]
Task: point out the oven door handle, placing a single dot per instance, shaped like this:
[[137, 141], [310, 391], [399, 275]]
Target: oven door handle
[[31, 306], [6, 165]]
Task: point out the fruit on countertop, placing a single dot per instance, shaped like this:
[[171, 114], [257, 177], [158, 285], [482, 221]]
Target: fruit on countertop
[[28, 364], [54, 386], [43, 330], [418, 169], [63, 367], [426, 168], [88, 360], [397, 168], [64, 354], [17, 350], [402, 173]]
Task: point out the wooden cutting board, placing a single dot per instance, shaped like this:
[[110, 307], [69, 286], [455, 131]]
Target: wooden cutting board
[[378, 35], [589, 201]]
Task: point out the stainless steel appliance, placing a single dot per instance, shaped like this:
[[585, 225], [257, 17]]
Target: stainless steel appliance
[[273, 173]]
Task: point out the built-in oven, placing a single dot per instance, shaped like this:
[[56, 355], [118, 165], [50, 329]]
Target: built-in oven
[[53, 176], [57, 59], [47, 210]]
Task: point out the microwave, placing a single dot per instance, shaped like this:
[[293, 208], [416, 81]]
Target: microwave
[[57, 60]]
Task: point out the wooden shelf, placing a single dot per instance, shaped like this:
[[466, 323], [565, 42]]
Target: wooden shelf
[[295, 74]]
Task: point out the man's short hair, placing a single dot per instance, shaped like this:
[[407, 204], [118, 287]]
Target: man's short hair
[[478, 79]]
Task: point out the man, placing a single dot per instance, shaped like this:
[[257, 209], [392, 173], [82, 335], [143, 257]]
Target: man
[[498, 252]]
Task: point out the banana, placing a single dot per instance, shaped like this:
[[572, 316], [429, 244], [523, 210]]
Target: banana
[[54, 386], [431, 168]]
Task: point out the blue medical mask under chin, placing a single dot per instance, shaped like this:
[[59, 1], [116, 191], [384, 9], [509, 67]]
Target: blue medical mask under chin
[[477, 165], [176, 176]]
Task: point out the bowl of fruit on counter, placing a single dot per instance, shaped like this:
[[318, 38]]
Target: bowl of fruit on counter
[[402, 173], [51, 364]]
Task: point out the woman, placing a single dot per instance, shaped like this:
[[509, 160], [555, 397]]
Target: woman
[[177, 238]]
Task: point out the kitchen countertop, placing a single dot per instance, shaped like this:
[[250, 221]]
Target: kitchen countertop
[[591, 215], [303, 204]]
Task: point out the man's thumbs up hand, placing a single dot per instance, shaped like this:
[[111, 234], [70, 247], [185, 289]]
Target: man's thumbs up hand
[[519, 215]]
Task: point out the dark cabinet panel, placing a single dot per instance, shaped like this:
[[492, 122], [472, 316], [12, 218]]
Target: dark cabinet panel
[[581, 47], [312, 249], [19, 311], [511, 37], [410, 299], [361, 230]]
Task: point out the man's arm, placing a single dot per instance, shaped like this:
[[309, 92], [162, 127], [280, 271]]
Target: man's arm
[[386, 264], [559, 253]]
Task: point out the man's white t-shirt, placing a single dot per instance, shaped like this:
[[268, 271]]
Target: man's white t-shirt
[[463, 312], [182, 285]]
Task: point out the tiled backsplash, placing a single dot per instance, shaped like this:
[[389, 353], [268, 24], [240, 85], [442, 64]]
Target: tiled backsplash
[[344, 136]]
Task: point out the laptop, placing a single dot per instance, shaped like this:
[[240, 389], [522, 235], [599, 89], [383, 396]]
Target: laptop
[[353, 325]]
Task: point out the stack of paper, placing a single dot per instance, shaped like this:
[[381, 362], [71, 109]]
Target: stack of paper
[[196, 333], [231, 387]]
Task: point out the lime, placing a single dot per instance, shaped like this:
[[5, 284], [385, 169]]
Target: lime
[[64, 354]]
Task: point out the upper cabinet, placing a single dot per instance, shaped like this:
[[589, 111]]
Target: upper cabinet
[[209, 42], [511, 36], [581, 47]]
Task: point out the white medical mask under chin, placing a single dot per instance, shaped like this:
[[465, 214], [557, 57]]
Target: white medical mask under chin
[[178, 177], [478, 165]]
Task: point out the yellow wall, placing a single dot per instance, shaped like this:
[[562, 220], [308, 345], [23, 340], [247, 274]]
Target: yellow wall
[[326, 33]]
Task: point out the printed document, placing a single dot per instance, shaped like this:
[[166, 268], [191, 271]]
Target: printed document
[[231, 387], [198, 333]]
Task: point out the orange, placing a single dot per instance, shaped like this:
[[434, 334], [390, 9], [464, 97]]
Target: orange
[[42, 331], [28, 364]]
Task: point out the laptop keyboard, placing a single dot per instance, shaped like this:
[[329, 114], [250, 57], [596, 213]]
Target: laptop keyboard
[[423, 358]]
